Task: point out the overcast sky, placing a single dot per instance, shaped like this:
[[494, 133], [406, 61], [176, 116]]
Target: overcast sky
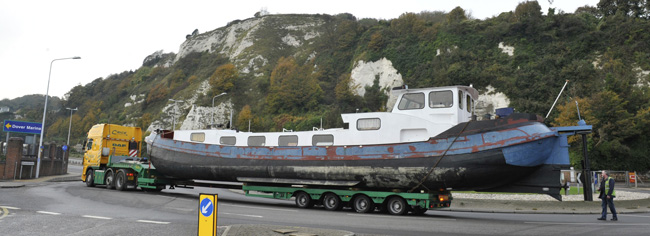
[[115, 36]]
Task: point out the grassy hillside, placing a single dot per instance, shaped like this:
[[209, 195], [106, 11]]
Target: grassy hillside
[[603, 51]]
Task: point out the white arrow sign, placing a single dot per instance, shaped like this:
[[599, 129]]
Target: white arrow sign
[[204, 209]]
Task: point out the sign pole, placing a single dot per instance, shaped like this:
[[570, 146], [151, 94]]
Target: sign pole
[[4, 150]]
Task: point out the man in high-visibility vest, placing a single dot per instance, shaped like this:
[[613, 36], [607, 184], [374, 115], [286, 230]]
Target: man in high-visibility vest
[[607, 194]]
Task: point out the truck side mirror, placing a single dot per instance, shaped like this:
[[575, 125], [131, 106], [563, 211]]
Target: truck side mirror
[[106, 151]]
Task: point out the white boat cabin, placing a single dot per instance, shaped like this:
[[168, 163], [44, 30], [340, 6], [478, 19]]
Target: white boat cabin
[[417, 115]]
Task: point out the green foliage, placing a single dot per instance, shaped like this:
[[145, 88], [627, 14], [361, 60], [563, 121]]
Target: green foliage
[[293, 88], [223, 79], [601, 50]]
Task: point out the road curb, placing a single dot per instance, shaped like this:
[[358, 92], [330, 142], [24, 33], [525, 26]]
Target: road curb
[[11, 185]]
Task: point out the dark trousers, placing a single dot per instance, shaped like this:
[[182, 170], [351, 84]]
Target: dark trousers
[[610, 202]]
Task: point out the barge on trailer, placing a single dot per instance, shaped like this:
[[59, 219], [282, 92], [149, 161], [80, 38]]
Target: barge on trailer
[[429, 142]]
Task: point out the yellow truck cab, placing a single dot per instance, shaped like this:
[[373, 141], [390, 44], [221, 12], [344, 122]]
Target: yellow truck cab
[[106, 140]]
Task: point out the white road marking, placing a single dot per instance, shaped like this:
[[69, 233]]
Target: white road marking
[[419, 218], [10, 208], [635, 216], [576, 223], [260, 208], [153, 222], [179, 209], [48, 213], [97, 217], [166, 196], [255, 216]]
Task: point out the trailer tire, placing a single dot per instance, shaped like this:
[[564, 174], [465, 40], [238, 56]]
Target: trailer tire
[[363, 204], [90, 178], [152, 190], [397, 206], [332, 202], [303, 200], [120, 180], [110, 179], [419, 210]]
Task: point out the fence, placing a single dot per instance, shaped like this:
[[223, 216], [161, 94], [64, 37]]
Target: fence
[[622, 179]]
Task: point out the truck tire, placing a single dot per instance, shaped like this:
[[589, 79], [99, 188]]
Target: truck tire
[[120, 180], [90, 178], [363, 204], [303, 200], [110, 179], [397, 206], [332, 202]]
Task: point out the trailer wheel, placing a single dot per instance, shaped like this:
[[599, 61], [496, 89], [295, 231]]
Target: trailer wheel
[[363, 204], [110, 179], [90, 178], [120, 180], [419, 210], [152, 190], [332, 202], [303, 200], [397, 206]]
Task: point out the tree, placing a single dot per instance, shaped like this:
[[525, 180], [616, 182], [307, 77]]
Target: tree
[[223, 79], [588, 10], [456, 15], [144, 121], [528, 10], [293, 88], [245, 115], [631, 8]]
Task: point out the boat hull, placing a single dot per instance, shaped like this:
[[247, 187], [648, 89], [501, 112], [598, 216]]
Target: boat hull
[[483, 156]]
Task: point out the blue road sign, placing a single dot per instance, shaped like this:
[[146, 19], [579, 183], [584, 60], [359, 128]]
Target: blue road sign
[[65, 148], [206, 207], [22, 127]]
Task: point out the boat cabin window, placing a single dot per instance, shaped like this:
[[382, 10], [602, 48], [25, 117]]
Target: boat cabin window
[[288, 140], [322, 140], [228, 140], [411, 101], [197, 137], [368, 124], [460, 100], [469, 103], [256, 141], [441, 99]]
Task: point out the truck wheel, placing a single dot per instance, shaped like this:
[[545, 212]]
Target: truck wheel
[[397, 206], [110, 179], [120, 181], [332, 202], [303, 200], [363, 204], [90, 178]]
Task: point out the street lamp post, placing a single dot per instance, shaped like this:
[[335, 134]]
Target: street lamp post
[[174, 117], [47, 92], [212, 119], [70, 125]]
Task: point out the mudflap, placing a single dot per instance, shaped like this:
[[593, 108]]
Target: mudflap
[[545, 180]]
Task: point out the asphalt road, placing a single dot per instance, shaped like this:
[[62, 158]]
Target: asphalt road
[[71, 208]]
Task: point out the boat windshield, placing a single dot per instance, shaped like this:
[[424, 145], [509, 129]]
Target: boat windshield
[[441, 99], [411, 101]]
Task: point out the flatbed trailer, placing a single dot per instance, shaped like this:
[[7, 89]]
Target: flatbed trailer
[[123, 172], [362, 201]]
